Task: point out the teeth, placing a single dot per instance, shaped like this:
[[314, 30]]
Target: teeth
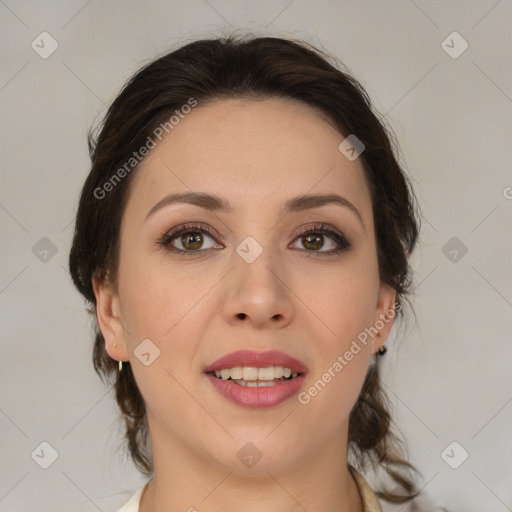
[[278, 372], [254, 384], [250, 374], [266, 373], [236, 372]]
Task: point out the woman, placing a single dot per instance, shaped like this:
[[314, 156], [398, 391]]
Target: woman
[[243, 237]]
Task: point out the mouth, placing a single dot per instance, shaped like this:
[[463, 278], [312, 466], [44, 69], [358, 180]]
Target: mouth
[[254, 377], [256, 380]]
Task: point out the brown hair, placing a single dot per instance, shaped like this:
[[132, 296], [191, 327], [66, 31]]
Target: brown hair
[[246, 67]]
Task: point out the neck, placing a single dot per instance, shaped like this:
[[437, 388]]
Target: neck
[[183, 480]]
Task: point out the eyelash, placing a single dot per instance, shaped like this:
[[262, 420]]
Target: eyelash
[[341, 241]]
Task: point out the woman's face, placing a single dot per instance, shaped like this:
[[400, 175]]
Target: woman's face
[[254, 282]]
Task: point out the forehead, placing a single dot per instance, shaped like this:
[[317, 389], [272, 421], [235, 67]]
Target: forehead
[[262, 150]]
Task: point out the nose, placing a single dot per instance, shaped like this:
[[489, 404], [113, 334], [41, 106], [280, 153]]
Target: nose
[[257, 294]]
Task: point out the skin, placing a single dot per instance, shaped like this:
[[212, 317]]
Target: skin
[[255, 154]]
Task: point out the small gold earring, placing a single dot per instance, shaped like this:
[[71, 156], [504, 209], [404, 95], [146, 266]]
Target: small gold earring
[[382, 350]]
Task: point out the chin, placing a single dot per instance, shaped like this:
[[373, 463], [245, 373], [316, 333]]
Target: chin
[[255, 455]]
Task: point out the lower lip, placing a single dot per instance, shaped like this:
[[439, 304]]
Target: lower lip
[[257, 398]]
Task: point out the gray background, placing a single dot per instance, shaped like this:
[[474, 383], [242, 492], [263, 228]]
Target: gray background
[[449, 376]]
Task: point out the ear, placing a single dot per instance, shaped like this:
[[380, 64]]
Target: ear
[[108, 313], [384, 315]]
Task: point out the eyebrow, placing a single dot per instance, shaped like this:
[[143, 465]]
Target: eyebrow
[[216, 203]]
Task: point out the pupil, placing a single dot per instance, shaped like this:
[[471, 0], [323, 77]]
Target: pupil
[[314, 245], [191, 236]]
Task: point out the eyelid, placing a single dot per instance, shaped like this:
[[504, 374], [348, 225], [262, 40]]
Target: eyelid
[[166, 235], [342, 242]]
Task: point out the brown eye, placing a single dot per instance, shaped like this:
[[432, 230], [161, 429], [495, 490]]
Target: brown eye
[[190, 239], [314, 239]]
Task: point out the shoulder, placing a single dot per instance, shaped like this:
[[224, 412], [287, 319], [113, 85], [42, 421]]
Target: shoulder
[[372, 503], [369, 498], [124, 501], [132, 505]]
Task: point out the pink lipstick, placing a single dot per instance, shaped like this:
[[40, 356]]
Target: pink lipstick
[[256, 379]]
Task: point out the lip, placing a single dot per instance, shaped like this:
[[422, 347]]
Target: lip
[[257, 359], [258, 397]]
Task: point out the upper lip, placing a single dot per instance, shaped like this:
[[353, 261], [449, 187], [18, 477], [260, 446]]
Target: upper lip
[[257, 359]]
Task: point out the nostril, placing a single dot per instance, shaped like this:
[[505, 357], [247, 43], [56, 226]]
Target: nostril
[[241, 315]]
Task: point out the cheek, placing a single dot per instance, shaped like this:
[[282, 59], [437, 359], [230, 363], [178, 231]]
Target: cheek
[[159, 307], [343, 307], [151, 296], [342, 298], [145, 304], [336, 397], [334, 384], [164, 304]]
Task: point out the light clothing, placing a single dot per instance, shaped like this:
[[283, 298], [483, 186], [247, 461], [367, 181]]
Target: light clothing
[[370, 501], [132, 505]]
